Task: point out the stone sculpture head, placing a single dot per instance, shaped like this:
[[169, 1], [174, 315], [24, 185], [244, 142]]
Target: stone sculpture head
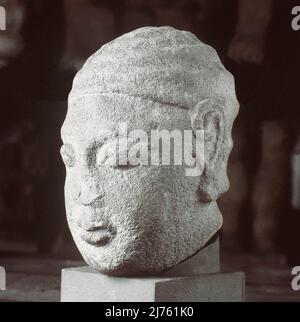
[[144, 219]]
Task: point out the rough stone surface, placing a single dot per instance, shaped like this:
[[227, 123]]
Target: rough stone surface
[[86, 285], [145, 219]]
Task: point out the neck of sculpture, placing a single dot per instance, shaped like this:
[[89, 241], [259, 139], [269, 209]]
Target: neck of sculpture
[[204, 254], [205, 261]]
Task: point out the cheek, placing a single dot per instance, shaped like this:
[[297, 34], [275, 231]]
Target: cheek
[[133, 196], [69, 195], [68, 187]]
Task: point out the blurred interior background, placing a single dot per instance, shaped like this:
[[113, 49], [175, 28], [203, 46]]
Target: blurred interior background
[[45, 44]]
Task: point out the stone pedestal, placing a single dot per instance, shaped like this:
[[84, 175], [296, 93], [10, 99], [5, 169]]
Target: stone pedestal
[[86, 285], [197, 279]]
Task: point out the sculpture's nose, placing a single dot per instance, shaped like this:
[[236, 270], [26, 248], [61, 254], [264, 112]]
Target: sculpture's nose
[[86, 191], [85, 197]]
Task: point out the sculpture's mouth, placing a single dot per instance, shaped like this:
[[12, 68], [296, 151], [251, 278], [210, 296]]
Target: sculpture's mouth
[[97, 235]]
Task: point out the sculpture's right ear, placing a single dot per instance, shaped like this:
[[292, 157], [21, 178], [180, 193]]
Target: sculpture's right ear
[[208, 116]]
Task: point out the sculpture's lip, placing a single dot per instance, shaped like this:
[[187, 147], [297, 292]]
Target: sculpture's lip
[[97, 236]]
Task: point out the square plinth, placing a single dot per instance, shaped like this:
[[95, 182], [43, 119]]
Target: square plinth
[[84, 284]]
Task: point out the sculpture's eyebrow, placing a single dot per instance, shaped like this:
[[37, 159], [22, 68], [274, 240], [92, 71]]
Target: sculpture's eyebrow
[[153, 98], [103, 139], [102, 135]]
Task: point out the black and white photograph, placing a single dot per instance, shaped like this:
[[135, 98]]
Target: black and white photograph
[[149, 153]]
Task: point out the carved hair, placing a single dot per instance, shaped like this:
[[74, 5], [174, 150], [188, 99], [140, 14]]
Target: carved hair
[[171, 67]]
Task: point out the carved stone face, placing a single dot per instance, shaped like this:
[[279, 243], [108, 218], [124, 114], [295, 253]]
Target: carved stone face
[[141, 219]]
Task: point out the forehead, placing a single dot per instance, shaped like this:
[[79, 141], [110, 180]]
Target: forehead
[[102, 113]]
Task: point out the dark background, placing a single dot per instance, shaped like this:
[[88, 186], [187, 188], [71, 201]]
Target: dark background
[[45, 44]]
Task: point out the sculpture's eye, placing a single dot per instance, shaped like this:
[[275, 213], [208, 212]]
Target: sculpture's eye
[[106, 155], [124, 167], [68, 155], [120, 157]]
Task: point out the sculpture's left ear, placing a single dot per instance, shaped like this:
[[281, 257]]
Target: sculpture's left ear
[[208, 116]]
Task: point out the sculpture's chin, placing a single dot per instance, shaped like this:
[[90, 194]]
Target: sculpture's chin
[[129, 269], [117, 249], [113, 261], [123, 271]]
